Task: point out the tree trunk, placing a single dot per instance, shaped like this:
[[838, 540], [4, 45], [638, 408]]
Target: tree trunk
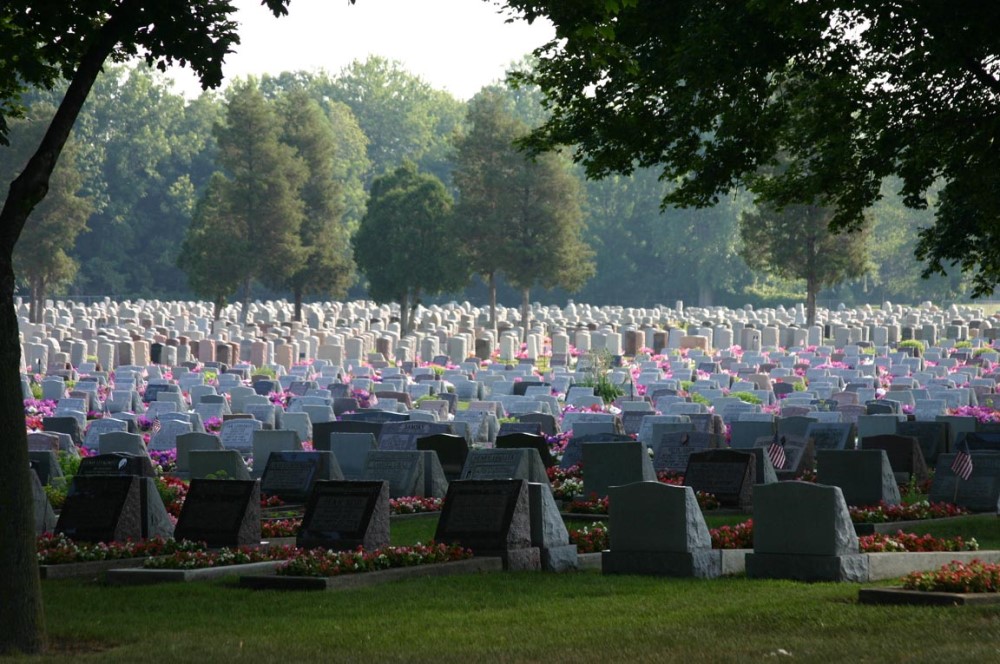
[[36, 315], [217, 304], [297, 296], [493, 299], [811, 291], [245, 314], [706, 296], [22, 619], [404, 314], [40, 301], [525, 311]]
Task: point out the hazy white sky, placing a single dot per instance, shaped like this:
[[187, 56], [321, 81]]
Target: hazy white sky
[[456, 45]]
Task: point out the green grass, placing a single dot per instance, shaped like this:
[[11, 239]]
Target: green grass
[[515, 617]]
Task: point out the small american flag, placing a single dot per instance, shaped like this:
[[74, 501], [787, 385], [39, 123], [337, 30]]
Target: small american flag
[[777, 453], [155, 429], [962, 465]]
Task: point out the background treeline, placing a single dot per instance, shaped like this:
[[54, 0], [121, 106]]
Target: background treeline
[[151, 181]]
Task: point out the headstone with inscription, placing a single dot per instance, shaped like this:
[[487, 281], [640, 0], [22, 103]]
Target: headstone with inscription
[[102, 509], [491, 517], [932, 437], [343, 515], [675, 448], [905, 456], [728, 475], [451, 450], [536, 442], [290, 475], [832, 435], [864, 476], [221, 512], [403, 470], [402, 436], [498, 464], [979, 493], [156, 521], [100, 426], [238, 434]]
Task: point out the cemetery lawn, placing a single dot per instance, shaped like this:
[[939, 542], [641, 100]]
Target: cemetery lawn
[[515, 617], [508, 617]]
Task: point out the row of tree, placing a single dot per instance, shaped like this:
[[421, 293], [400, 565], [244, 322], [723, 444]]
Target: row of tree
[[274, 177]]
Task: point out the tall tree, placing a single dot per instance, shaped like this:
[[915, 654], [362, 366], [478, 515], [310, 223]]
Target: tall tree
[[327, 265], [43, 41], [795, 243], [406, 245], [850, 92], [485, 163], [263, 180], [43, 263], [207, 243], [544, 246]]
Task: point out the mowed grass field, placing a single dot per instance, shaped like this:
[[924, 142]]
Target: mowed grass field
[[514, 617]]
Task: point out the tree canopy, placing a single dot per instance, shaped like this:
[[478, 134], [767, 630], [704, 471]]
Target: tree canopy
[[848, 92]]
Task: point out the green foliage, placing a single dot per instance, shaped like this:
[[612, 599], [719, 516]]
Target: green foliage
[[266, 371], [845, 93], [917, 344], [795, 243], [748, 397], [597, 377], [408, 222]]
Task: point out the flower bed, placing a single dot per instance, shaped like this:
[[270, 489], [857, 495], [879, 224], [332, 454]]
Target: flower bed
[[957, 577], [203, 559], [900, 542], [414, 505], [270, 528], [599, 504], [58, 549], [566, 482], [920, 511], [739, 536], [322, 562], [590, 539]]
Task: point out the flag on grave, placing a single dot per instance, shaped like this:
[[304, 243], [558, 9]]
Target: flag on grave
[[777, 454], [962, 465]]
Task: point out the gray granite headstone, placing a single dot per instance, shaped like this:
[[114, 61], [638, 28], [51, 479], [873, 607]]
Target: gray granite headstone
[[499, 464], [399, 436], [613, 464], [658, 529], [979, 493], [726, 474], [226, 463], [351, 450], [864, 476], [290, 475], [189, 442], [932, 436], [675, 448], [404, 470], [44, 515], [101, 426], [803, 531], [548, 531]]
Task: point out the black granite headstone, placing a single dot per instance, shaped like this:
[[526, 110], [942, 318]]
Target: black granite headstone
[[345, 515], [726, 474], [221, 513], [291, 475], [102, 509], [535, 442], [451, 450]]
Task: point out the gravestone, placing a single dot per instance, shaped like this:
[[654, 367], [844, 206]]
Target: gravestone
[[745, 433], [403, 470], [548, 531], [573, 452], [118, 441], [658, 529], [267, 442], [831, 435], [238, 434], [378, 416], [221, 512], [351, 451], [547, 422], [67, 425], [491, 517], [803, 531], [402, 436], [156, 521], [290, 475], [44, 516], [632, 420], [500, 464], [864, 476], [451, 450], [932, 436], [800, 454], [979, 493], [101, 426], [343, 515], [675, 448], [614, 464], [46, 465], [726, 474], [189, 442], [228, 464], [904, 454], [507, 428], [539, 443], [102, 509], [166, 437]]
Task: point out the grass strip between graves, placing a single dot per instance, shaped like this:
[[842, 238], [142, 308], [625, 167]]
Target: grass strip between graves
[[514, 617]]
